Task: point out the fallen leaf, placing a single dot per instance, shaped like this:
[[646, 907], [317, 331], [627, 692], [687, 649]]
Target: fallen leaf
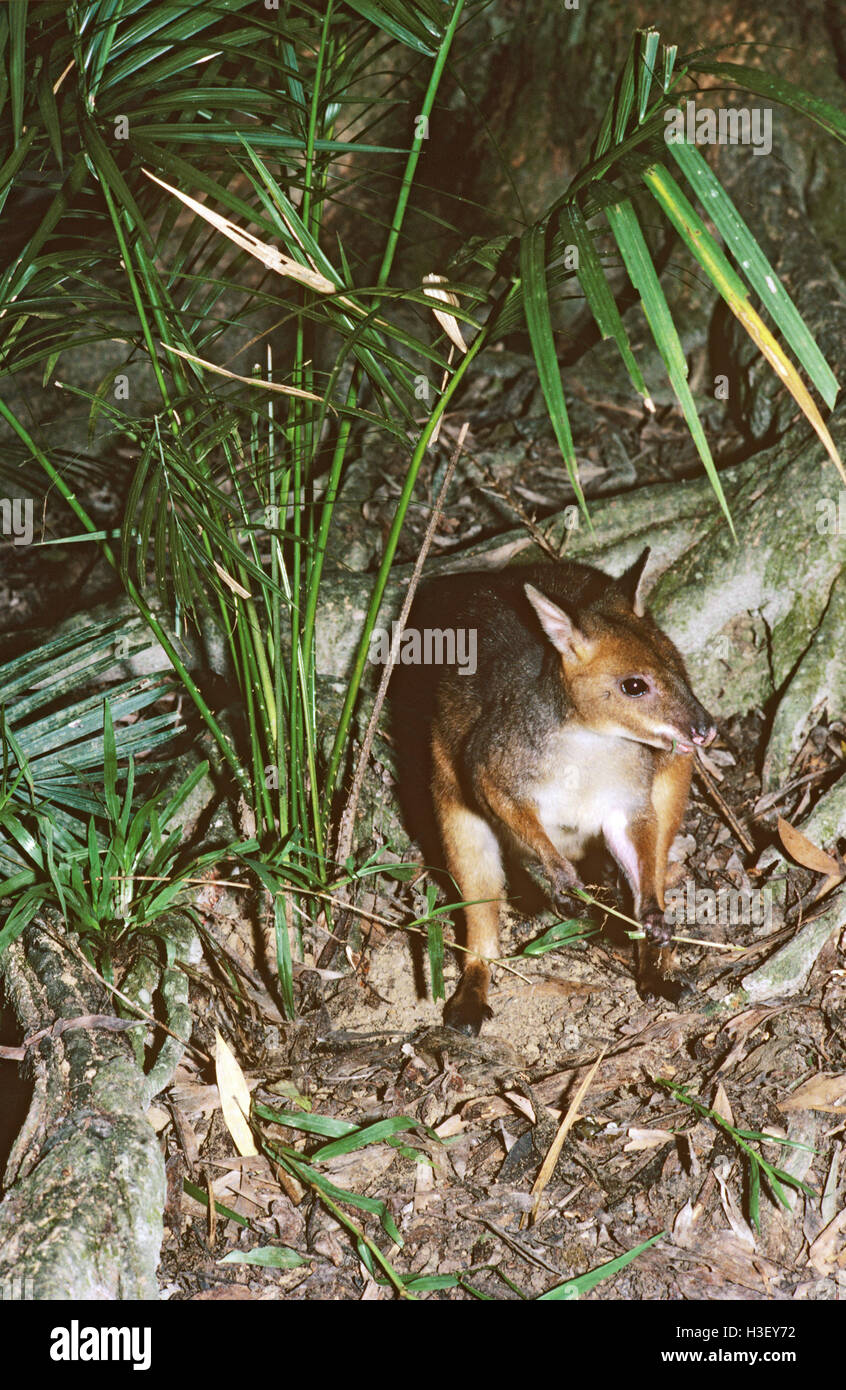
[[826, 1255], [720, 1105], [821, 1092], [804, 851], [234, 1097], [647, 1139]]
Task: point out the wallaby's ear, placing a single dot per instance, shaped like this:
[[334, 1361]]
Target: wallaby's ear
[[630, 583], [562, 632]]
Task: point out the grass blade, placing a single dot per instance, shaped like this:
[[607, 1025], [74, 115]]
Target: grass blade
[[599, 297], [435, 946], [698, 239], [539, 323], [641, 272], [585, 1282], [756, 267]]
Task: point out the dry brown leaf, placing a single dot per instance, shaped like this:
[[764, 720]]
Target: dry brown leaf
[[685, 1222], [424, 1187], [828, 1252], [234, 1097], [821, 1092], [720, 1105], [451, 1126], [804, 851], [646, 1139], [355, 1170], [523, 1105], [262, 250], [448, 322], [256, 381], [740, 1227]]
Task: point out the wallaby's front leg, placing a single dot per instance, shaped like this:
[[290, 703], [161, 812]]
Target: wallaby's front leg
[[658, 973], [521, 820], [641, 847], [633, 845]]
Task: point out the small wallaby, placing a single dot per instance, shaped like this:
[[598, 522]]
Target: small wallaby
[[576, 724]]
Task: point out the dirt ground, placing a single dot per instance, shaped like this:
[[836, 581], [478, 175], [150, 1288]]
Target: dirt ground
[[462, 1186]]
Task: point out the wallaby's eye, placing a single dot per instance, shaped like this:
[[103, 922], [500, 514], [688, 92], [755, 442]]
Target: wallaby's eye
[[634, 686]]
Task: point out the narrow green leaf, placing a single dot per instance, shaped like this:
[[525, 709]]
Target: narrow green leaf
[[754, 1194], [574, 1288], [21, 916], [776, 89], [698, 239], [778, 1191], [17, 63], [790, 1180], [417, 41], [200, 1195], [435, 946], [638, 262], [49, 112], [360, 1138], [598, 294], [327, 1125], [423, 1283], [110, 766], [340, 1194], [625, 93], [110, 176], [98, 880], [755, 266], [22, 837], [561, 934], [646, 70], [539, 323]]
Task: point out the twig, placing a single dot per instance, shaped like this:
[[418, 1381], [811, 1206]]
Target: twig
[[710, 785], [548, 1165], [410, 927], [519, 511], [347, 821]]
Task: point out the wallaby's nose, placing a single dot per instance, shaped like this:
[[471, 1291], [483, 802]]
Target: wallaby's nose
[[702, 727], [704, 731]]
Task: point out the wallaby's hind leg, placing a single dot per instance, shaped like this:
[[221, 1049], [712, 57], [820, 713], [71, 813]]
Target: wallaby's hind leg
[[474, 859]]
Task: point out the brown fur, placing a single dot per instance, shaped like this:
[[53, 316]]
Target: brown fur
[[549, 746]]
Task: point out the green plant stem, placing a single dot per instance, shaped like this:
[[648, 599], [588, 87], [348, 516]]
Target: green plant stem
[[387, 560], [417, 144]]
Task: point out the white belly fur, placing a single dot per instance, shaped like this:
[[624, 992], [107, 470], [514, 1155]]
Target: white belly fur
[[591, 785]]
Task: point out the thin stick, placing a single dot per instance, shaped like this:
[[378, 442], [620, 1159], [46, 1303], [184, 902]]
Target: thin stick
[[710, 785], [548, 1165], [519, 510], [347, 822], [409, 926]]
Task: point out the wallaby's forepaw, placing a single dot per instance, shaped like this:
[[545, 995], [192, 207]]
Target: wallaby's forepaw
[[562, 880], [659, 932]]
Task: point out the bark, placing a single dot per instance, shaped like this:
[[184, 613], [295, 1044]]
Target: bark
[[85, 1182]]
